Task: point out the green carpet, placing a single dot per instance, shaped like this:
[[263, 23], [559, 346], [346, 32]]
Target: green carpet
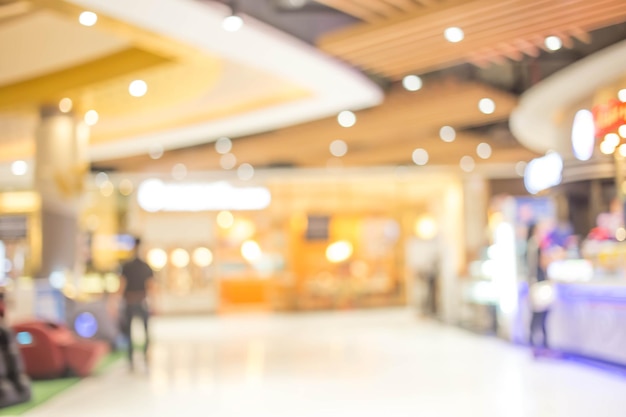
[[42, 391]]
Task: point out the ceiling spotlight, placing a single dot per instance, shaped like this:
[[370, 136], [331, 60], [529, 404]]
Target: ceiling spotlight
[[65, 105], [412, 83], [228, 161], [138, 88], [420, 156], [467, 163], [454, 34], [245, 172], [346, 118], [447, 134], [232, 23], [155, 151], [179, 171], [91, 117], [338, 148], [621, 94], [487, 106], [88, 18], [483, 150], [553, 43], [223, 145]]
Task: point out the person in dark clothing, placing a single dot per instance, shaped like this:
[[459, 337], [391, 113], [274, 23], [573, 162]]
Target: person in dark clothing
[[536, 274], [136, 282]]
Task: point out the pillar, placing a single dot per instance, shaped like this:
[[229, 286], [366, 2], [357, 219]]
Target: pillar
[[60, 168]]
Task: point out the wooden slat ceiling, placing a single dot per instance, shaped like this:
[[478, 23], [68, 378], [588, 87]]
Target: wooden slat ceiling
[[384, 135], [404, 36]]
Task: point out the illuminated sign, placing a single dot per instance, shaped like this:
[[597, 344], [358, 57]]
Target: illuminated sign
[[543, 173], [583, 135], [154, 195], [609, 117]]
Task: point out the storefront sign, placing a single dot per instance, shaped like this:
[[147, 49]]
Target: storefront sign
[[13, 227], [543, 173], [155, 195], [609, 117]]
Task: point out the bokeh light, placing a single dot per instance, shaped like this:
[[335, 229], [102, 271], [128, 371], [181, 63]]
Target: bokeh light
[[156, 258], [454, 34], [223, 145], [338, 148], [88, 18], [225, 219], [467, 163], [447, 134], [483, 150], [179, 258], [412, 83], [420, 156], [339, 251], [346, 118], [202, 257], [487, 105], [251, 251]]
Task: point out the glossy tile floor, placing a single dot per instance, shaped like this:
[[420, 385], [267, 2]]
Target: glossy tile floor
[[368, 363]]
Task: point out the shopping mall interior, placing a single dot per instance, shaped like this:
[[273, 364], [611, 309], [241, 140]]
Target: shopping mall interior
[[345, 207]]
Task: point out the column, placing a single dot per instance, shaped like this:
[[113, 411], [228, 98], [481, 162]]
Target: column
[[60, 168]]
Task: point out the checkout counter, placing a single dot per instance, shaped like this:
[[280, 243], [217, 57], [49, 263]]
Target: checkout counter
[[587, 318]]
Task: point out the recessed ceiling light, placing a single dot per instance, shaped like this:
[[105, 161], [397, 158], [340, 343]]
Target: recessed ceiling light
[[346, 118], [138, 88], [420, 156], [412, 83], [338, 148], [245, 172], [223, 145], [467, 163], [487, 105], [232, 23], [91, 117], [447, 134], [553, 43], [179, 171], [621, 94], [155, 151], [454, 34], [65, 105], [228, 161], [483, 150], [88, 18]]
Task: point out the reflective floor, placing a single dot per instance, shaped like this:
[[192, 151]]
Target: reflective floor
[[369, 363]]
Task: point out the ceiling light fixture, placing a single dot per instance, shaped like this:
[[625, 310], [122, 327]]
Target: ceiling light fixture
[[65, 105], [467, 163], [412, 83], [487, 106], [346, 118], [91, 117], [621, 94], [232, 22], [223, 145], [88, 18], [420, 156], [454, 34], [338, 148], [483, 150], [447, 134], [138, 88], [553, 43]]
